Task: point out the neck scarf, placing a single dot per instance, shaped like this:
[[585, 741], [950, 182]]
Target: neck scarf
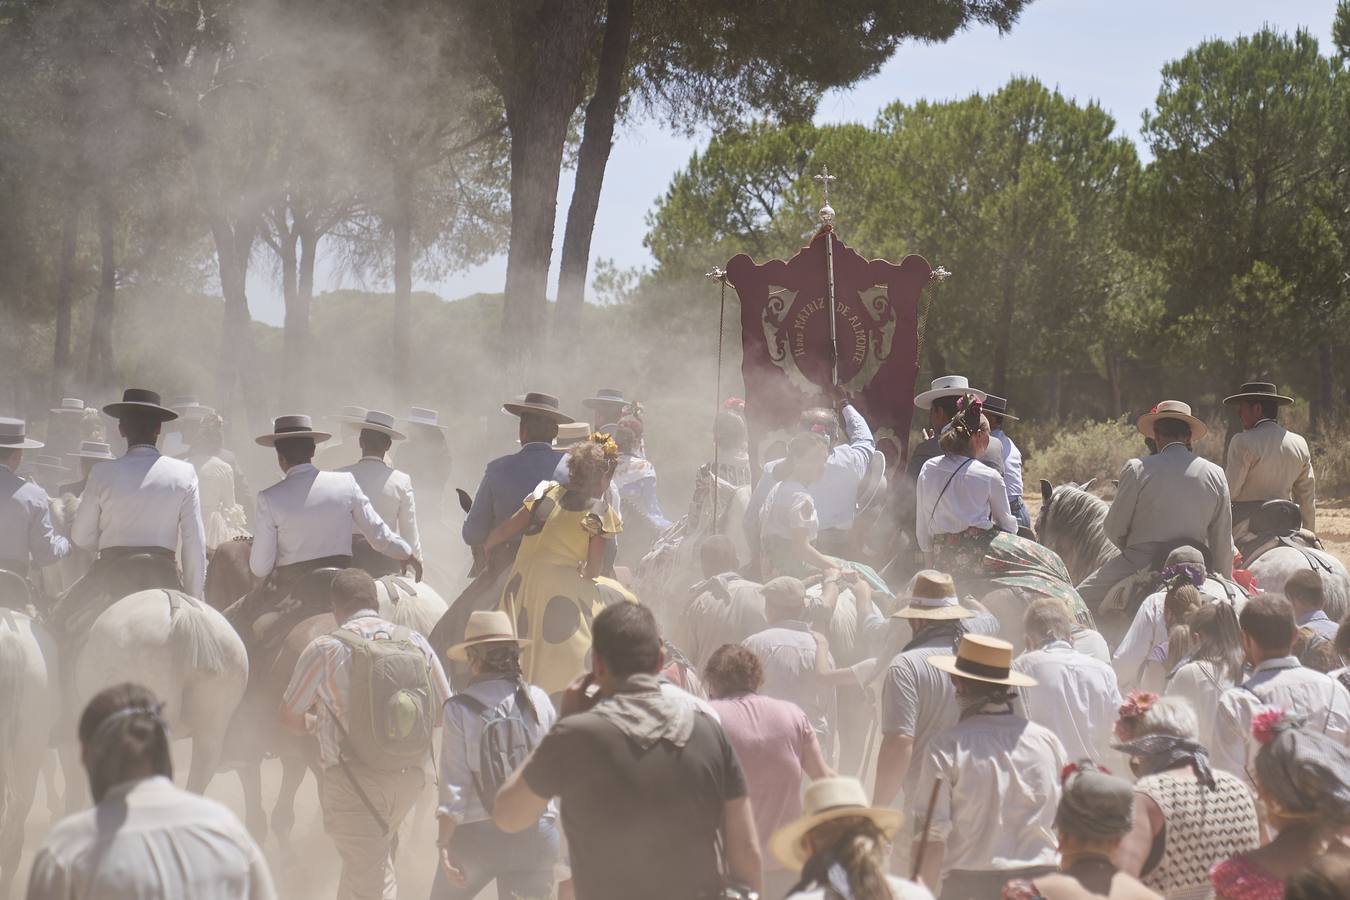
[[1160, 752], [645, 714]]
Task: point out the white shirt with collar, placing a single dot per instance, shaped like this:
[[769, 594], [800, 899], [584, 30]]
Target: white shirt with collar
[[144, 499], [390, 491], [1012, 463], [1075, 696], [1319, 701], [26, 523], [996, 807], [148, 838], [1149, 629], [974, 497], [309, 514], [1270, 462]]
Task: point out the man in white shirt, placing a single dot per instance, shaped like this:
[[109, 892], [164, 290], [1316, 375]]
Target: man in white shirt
[[141, 513], [836, 492], [144, 837], [996, 411], [1277, 680], [995, 811], [303, 523], [1169, 498], [26, 532], [1267, 461], [1075, 696], [389, 490]]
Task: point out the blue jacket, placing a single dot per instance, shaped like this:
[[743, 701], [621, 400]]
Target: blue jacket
[[506, 483]]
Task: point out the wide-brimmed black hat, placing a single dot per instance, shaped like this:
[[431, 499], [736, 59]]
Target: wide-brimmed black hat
[[535, 403], [1258, 390], [604, 398], [14, 435], [140, 400], [292, 427], [998, 406]]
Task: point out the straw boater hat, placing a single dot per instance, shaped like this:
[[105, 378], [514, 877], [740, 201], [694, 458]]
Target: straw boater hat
[[1172, 409], [605, 398], [93, 450], [826, 800], [535, 403], [486, 626], [998, 406], [933, 597], [194, 411], [292, 427], [420, 415], [382, 423], [69, 405], [982, 658], [946, 386], [140, 400], [572, 433], [352, 415], [1258, 390], [14, 436]]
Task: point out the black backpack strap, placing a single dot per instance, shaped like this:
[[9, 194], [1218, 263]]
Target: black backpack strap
[[470, 702], [938, 502]]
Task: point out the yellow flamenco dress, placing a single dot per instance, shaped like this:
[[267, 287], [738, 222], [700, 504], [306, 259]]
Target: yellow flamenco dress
[[547, 594]]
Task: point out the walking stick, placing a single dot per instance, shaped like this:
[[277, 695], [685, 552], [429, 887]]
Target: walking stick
[[923, 837]]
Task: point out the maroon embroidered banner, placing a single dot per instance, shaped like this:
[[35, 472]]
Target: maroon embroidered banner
[[785, 338]]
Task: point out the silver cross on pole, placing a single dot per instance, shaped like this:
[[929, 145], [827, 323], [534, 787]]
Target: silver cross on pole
[[827, 219]]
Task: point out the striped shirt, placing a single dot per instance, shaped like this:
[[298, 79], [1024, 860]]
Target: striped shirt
[[322, 680]]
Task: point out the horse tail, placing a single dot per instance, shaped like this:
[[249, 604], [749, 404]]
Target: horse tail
[[193, 631], [404, 605], [12, 667]]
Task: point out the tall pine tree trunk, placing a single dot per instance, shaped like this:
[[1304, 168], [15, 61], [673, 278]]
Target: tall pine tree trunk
[[292, 377], [403, 262], [236, 364], [304, 300], [541, 94], [597, 139], [65, 295], [99, 371]]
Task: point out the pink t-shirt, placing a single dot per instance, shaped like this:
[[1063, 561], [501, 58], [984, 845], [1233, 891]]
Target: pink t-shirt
[[770, 738]]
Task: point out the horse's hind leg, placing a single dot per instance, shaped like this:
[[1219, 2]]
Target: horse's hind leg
[[293, 769], [22, 785], [51, 761], [77, 789], [255, 817]]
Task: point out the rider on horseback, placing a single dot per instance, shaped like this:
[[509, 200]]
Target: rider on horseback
[[135, 511], [389, 490], [304, 522], [1170, 498], [26, 533], [1267, 461]]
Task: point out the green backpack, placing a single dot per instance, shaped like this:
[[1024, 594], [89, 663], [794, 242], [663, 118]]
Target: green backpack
[[391, 712]]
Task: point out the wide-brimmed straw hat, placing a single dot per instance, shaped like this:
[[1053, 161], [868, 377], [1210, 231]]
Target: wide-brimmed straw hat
[[69, 405], [420, 415], [14, 435], [486, 626], [292, 427], [998, 406], [572, 433], [946, 386], [826, 800], [352, 415], [382, 423], [140, 400], [93, 450], [1258, 390], [933, 597], [604, 398], [1172, 409], [538, 404], [982, 658]]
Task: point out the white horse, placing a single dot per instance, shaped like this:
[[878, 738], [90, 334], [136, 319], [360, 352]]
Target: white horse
[[30, 701], [409, 603], [1274, 567], [183, 651]]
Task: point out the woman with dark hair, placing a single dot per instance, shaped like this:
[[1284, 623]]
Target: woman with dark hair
[[1303, 782], [842, 846], [144, 838], [772, 738], [1325, 878]]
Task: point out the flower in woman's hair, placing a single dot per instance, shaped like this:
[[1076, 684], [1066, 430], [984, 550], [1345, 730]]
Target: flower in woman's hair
[[1268, 724], [734, 404], [606, 443], [1181, 573], [1136, 704], [1085, 765], [820, 428], [1068, 770]]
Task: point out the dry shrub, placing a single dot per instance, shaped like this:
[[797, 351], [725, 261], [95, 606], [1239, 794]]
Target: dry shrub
[[1331, 459], [1078, 451]]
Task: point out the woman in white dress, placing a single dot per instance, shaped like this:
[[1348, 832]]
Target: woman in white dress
[[222, 516], [1211, 661]]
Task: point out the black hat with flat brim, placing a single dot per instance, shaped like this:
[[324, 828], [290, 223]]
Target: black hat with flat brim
[[998, 406], [537, 404], [284, 427], [1258, 390], [604, 398], [139, 400]]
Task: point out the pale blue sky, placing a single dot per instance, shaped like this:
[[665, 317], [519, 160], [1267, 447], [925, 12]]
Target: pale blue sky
[[1090, 49]]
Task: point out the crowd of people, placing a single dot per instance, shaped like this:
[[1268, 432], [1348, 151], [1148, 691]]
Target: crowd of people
[[1165, 727]]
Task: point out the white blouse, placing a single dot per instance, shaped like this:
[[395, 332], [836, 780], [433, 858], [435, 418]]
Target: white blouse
[[975, 498]]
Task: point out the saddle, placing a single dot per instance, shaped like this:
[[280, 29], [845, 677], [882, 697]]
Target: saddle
[[310, 595], [1279, 523], [112, 577]]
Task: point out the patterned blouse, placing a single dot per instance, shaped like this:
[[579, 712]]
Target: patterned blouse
[[1200, 828]]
